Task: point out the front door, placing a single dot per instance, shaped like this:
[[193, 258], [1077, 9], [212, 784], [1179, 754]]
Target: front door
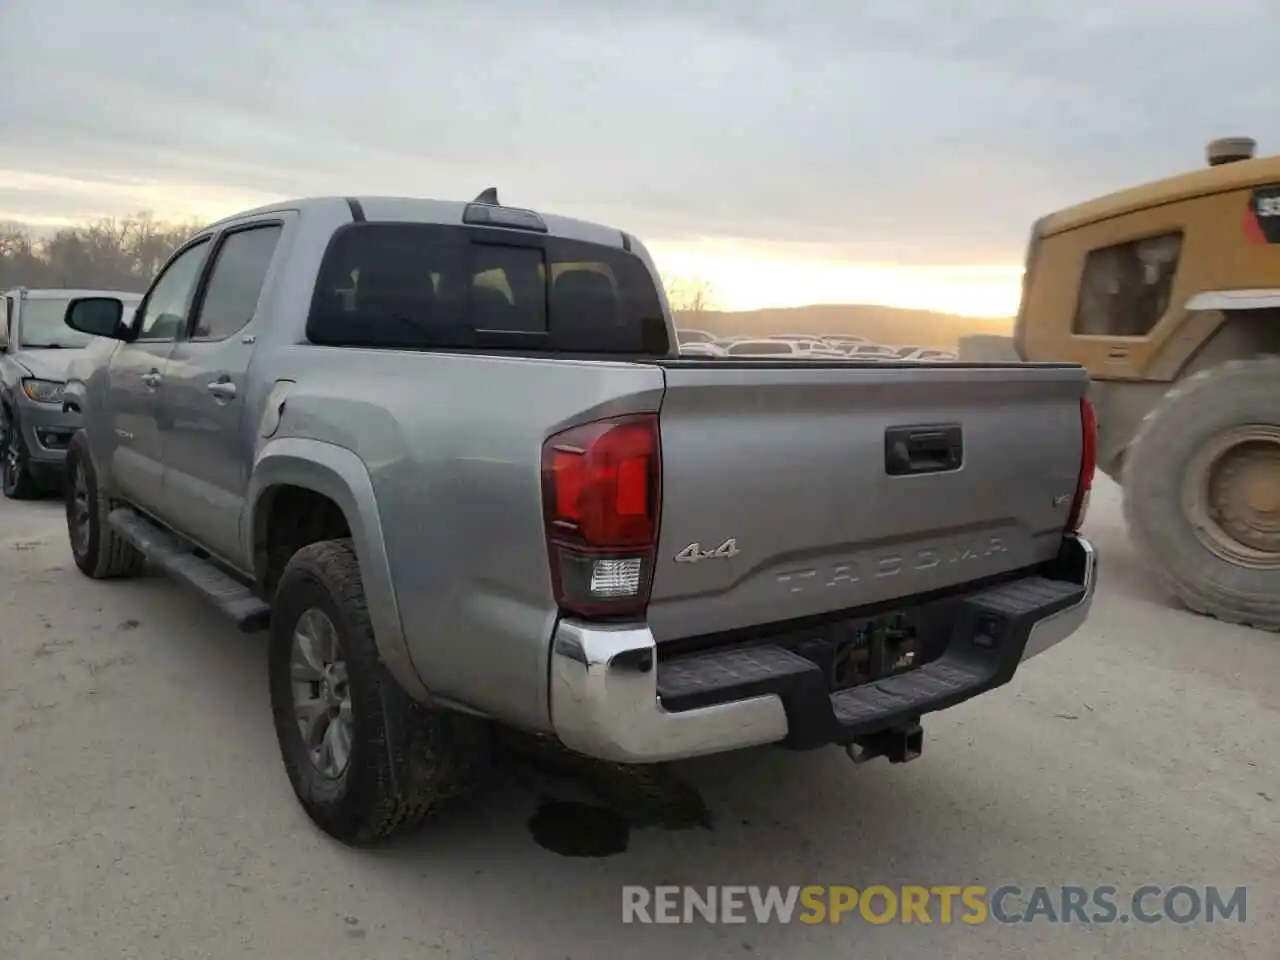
[[136, 375], [208, 445]]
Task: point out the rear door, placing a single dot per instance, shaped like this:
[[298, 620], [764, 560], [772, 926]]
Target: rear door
[[206, 452], [136, 377], [791, 489]]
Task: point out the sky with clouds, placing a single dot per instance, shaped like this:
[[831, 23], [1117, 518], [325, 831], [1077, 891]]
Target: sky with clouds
[[909, 141]]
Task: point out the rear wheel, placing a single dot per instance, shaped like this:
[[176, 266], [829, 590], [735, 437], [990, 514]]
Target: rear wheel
[[1202, 492], [98, 550], [365, 760], [16, 478]]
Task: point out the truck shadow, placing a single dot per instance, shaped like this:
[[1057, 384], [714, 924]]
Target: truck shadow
[[757, 817]]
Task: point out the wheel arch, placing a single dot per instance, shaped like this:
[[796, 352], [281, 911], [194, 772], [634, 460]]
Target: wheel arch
[[339, 476], [1233, 325], [1219, 326]]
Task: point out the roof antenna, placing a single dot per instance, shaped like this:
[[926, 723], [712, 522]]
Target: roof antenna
[[489, 195]]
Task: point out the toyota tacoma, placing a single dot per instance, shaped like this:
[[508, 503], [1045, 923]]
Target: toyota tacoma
[[448, 456]]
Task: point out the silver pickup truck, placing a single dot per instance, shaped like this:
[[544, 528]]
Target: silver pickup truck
[[448, 455]]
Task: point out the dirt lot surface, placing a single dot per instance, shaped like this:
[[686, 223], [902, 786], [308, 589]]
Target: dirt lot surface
[[145, 813]]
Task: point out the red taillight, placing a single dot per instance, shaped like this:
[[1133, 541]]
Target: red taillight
[[601, 486], [1088, 464]]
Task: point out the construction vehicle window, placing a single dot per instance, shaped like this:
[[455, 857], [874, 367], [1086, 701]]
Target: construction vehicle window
[[1125, 288]]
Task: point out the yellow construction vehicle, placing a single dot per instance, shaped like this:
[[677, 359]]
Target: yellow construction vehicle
[[1169, 294]]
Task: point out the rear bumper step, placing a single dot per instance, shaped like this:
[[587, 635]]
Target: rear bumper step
[[232, 598], [612, 698]]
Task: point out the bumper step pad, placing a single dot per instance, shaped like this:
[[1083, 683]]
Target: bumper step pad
[[988, 634]]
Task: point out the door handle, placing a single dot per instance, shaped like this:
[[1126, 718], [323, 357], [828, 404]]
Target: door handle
[[222, 389], [152, 379]]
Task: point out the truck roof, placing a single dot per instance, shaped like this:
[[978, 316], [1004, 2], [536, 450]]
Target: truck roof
[[1183, 186], [423, 210]]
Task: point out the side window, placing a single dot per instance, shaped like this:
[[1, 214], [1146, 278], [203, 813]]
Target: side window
[[235, 282], [164, 314], [1125, 289], [8, 315]]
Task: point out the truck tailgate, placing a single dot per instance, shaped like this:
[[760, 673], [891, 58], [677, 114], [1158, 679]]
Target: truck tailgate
[[796, 489]]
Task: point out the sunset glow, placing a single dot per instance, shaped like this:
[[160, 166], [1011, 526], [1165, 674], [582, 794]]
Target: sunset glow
[[742, 275], [745, 278]]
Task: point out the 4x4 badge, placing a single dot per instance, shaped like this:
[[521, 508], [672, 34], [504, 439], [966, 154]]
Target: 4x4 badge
[[694, 552]]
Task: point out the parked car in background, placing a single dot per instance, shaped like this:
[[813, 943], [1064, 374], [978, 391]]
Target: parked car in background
[[36, 349], [701, 350], [758, 348], [844, 340], [690, 335], [812, 343], [868, 351], [779, 348], [817, 347]]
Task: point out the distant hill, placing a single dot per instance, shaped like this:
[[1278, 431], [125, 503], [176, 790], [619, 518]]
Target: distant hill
[[893, 325]]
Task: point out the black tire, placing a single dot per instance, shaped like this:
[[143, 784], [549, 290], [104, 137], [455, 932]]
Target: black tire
[[16, 478], [1205, 406], [100, 552], [405, 758]]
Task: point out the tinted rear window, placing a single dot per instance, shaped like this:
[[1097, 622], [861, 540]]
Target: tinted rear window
[[421, 286]]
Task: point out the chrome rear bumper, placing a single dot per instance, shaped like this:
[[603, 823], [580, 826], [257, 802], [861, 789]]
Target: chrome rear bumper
[[605, 700]]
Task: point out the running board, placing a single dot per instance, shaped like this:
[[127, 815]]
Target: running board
[[231, 597]]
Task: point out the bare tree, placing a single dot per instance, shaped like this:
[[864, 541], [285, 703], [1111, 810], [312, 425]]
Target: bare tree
[[108, 254], [18, 255], [690, 295]]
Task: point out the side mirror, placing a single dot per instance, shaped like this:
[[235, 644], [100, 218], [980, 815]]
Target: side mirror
[[98, 317]]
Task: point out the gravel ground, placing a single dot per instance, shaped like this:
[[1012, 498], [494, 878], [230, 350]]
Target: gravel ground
[[145, 812]]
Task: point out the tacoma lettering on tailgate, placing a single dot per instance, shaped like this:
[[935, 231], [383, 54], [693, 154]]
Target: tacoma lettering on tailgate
[[846, 572]]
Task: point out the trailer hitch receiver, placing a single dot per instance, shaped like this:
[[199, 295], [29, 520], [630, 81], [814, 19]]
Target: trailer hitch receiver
[[897, 744]]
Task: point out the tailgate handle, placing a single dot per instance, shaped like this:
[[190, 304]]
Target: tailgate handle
[[923, 449]]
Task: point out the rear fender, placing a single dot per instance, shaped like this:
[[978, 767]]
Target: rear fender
[[340, 475]]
